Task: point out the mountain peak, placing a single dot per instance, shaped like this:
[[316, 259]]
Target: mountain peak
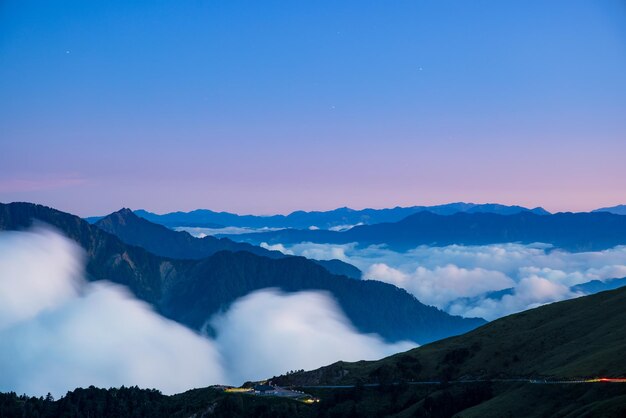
[[123, 216], [125, 212]]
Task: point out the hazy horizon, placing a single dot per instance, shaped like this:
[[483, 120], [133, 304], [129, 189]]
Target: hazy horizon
[[244, 212]]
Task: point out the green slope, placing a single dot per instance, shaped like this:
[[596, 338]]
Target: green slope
[[584, 337], [578, 338], [526, 400]]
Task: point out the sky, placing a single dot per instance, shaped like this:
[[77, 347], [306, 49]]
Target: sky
[[268, 107]]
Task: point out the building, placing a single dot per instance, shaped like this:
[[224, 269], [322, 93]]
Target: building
[[264, 389]]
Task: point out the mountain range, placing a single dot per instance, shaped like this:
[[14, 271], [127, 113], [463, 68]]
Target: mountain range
[[190, 291], [338, 218], [617, 210], [596, 286], [569, 231], [508, 367], [166, 242]]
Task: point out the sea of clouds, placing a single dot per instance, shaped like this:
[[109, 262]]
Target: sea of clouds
[[59, 332], [460, 279], [201, 232]]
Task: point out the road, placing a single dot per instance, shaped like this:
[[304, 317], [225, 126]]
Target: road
[[537, 381]]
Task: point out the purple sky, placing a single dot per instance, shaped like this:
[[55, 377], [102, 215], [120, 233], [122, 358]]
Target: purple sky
[[238, 106]]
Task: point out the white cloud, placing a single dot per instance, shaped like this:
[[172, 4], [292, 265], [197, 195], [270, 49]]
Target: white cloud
[[71, 333], [26, 258], [276, 247], [269, 332], [58, 332], [529, 293], [316, 251], [441, 285], [200, 232], [606, 272], [457, 278], [341, 228]]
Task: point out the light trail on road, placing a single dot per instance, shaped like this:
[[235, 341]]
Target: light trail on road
[[437, 382]]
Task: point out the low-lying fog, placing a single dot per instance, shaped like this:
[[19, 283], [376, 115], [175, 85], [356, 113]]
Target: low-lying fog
[[59, 332], [459, 279]]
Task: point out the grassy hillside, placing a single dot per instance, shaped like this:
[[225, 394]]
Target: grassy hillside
[[583, 337], [526, 400]]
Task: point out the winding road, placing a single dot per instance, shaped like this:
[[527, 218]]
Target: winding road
[[538, 381]]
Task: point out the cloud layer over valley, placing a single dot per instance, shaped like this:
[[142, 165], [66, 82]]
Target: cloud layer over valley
[[58, 331], [69, 333], [488, 281], [201, 232], [269, 331]]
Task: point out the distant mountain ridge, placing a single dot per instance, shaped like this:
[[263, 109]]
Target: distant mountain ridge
[[341, 217], [586, 288], [596, 286], [570, 231], [191, 291], [617, 210], [165, 242]]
